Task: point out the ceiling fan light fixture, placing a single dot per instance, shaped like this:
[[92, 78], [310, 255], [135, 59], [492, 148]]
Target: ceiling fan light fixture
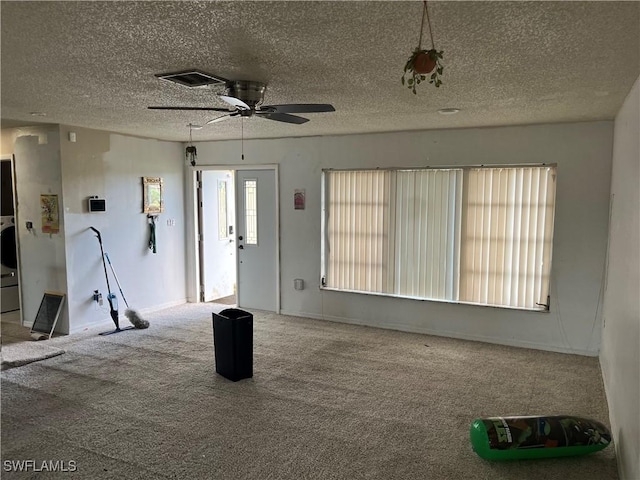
[[244, 99], [448, 111]]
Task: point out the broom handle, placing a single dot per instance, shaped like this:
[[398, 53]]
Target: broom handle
[[116, 277], [106, 275]]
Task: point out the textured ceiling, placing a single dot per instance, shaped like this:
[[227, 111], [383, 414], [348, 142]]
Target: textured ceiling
[[92, 64]]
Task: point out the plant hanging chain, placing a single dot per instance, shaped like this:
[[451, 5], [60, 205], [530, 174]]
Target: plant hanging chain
[[191, 151], [422, 62], [424, 12]]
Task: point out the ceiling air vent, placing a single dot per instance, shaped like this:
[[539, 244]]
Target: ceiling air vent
[[192, 78]]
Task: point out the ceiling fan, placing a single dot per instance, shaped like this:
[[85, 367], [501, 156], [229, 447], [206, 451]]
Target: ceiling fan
[[245, 97]]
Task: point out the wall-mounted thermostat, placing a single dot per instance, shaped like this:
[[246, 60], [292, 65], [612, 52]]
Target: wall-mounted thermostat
[[97, 204]]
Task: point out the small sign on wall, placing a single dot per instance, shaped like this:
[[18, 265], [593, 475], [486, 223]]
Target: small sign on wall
[[298, 199]]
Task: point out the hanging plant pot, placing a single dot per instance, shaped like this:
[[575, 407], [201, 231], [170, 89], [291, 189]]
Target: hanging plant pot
[[423, 65], [423, 62]]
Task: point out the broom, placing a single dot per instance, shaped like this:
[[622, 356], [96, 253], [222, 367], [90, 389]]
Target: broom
[[133, 316]]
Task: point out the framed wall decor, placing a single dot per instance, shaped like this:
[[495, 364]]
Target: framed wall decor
[[50, 214], [298, 199], [152, 202]]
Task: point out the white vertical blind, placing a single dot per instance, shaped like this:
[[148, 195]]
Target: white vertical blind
[[427, 209], [479, 235], [507, 236], [358, 230]]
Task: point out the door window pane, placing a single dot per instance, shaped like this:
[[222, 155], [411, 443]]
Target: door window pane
[[251, 211], [223, 219]]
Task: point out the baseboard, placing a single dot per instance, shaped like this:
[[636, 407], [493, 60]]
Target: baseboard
[[106, 323], [445, 333], [156, 308], [613, 420]]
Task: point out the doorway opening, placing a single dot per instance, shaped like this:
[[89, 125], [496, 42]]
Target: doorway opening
[[216, 238], [10, 301], [237, 237]]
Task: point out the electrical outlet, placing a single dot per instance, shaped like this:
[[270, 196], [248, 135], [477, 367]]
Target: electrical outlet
[[97, 297]]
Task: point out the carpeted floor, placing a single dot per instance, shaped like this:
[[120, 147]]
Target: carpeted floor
[[327, 401], [20, 348], [11, 333], [230, 300]]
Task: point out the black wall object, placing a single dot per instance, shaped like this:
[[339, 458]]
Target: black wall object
[[48, 313], [97, 204], [6, 189]]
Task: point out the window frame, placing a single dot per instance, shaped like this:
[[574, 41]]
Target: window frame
[[324, 194]]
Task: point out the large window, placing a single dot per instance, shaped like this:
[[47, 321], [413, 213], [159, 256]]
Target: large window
[[477, 235]]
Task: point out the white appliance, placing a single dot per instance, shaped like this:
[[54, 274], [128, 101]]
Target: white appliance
[[10, 300]]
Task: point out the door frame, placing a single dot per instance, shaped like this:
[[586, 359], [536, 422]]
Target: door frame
[[192, 225], [11, 157]]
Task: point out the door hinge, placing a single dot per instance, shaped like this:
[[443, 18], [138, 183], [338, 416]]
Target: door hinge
[[202, 293]]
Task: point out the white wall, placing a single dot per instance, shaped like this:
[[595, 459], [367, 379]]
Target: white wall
[[583, 154], [620, 355], [111, 166], [41, 256]]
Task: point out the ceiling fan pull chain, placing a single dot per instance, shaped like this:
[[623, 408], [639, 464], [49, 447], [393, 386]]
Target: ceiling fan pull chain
[[242, 136]]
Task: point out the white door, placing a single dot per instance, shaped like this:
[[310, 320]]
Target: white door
[[218, 250], [257, 239]]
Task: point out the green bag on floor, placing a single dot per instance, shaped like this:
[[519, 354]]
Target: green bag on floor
[[512, 438]]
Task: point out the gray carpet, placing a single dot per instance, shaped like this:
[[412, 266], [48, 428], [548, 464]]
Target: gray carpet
[[327, 401], [12, 332], [230, 300], [19, 347]]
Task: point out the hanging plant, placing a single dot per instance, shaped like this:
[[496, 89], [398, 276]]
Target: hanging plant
[[419, 65], [423, 65]]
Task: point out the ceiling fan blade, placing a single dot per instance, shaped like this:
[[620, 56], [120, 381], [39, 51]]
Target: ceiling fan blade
[[283, 117], [222, 118], [190, 108], [236, 102], [301, 108]]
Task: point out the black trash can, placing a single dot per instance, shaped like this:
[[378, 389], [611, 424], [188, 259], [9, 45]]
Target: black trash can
[[233, 343]]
